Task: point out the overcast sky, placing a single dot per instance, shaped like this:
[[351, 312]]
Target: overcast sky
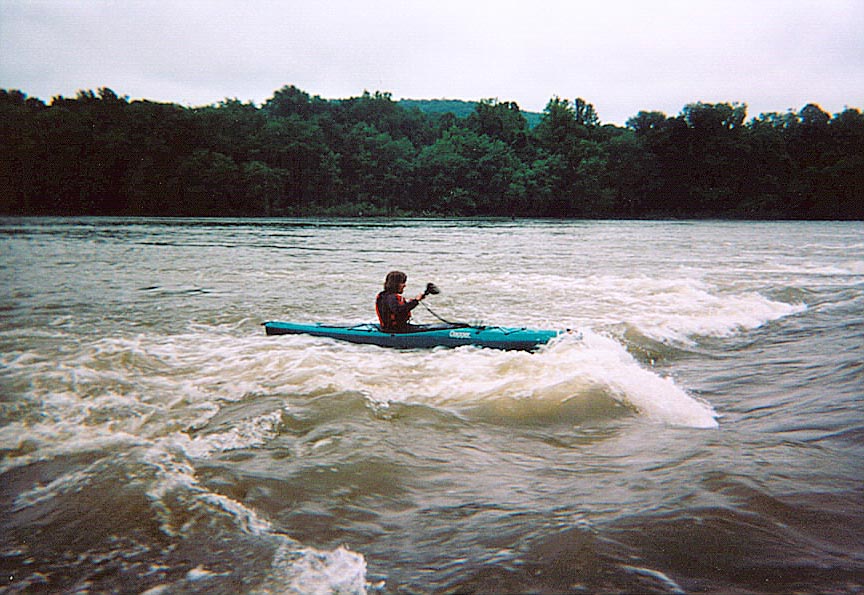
[[623, 56]]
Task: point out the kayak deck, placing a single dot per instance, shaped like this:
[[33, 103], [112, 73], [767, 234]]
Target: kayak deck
[[424, 336]]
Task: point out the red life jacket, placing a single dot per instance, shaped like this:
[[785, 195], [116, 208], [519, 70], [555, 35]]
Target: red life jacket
[[390, 318]]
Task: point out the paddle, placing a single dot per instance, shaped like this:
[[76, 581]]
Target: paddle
[[432, 289]]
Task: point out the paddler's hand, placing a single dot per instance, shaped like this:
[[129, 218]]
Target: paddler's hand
[[420, 297]]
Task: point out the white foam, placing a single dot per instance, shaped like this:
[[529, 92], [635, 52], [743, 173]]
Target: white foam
[[297, 568], [316, 572], [65, 483], [131, 390], [200, 573], [246, 433], [244, 517], [654, 396], [667, 582], [50, 439], [679, 309], [153, 390], [150, 392], [677, 306], [465, 378]]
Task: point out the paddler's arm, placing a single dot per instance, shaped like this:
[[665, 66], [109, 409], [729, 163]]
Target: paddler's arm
[[399, 305], [411, 304]]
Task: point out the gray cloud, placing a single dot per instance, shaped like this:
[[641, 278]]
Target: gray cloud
[[623, 56]]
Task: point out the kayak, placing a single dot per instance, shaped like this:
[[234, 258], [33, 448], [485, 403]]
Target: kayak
[[423, 336]]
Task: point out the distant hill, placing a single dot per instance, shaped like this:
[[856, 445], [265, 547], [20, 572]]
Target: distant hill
[[457, 107]]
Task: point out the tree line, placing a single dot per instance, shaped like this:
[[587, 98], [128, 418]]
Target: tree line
[[297, 154]]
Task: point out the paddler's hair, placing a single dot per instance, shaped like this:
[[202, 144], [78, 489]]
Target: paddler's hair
[[394, 280]]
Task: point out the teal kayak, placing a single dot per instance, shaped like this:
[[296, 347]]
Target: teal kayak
[[424, 336]]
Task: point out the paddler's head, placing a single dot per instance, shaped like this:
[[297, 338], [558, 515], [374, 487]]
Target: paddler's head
[[395, 282]]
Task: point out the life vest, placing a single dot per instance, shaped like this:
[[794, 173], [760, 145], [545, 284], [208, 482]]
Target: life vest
[[389, 319]]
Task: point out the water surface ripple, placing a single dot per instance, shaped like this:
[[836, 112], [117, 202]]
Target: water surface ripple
[[703, 434]]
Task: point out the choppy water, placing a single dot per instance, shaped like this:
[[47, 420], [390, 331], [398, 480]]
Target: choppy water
[[706, 433]]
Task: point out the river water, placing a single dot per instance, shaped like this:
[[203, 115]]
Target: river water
[[703, 433]]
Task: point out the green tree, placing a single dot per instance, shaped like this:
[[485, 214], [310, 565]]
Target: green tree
[[230, 128], [558, 129], [766, 194], [376, 168], [466, 173], [585, 114], [99, 153], [209, 184], [307, 167], [161, 137], [291, 101], [262, 189], [645, 124], [578, 185], [631, 173], [501, 121], [19, 146], [847, 131]]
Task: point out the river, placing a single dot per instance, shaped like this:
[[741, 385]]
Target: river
[[702, 433]]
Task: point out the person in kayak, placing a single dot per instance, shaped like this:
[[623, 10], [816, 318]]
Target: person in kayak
[[392, 309]]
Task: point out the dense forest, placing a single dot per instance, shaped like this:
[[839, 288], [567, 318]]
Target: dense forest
[[457, 107], [295, 155]]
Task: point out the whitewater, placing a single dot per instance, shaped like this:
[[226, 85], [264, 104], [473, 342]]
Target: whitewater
[[701, 432]]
